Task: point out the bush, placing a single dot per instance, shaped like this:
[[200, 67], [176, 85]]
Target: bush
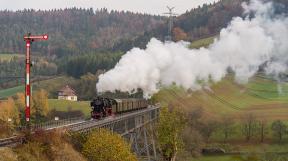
[[104, 145], [47, 146]]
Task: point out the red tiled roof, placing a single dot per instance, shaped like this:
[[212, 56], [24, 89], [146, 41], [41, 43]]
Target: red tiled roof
[[67, 91]]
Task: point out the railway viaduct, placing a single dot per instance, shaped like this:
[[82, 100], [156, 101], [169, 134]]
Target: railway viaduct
[[136, 127]]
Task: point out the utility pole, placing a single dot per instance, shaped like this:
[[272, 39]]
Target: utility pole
[[29, 39], [171, 15]]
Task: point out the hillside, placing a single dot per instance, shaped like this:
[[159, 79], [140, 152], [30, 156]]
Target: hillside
[[71, 30], [261, 96], [74, 31], [4, 93], [211, 18], [198, 23]]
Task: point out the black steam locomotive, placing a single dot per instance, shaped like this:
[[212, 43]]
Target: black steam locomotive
[[103, 107]]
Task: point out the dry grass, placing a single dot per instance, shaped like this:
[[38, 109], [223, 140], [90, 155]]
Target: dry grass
[[7, 154]]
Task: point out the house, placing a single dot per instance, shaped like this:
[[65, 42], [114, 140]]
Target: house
[[67, 93]]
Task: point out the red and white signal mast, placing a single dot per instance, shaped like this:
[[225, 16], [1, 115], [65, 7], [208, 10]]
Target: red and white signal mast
[[29, 39]]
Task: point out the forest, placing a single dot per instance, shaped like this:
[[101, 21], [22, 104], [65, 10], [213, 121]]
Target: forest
[[86, 40], [71, 30], [75, 31], [201, 22]]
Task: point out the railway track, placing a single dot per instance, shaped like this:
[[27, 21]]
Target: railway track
[[12, 141], [82, 125], [18, 139]]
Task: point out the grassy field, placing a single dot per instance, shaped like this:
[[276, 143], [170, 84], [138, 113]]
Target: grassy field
[[202, 42], [51, 86], [11, 91], [9, 56], [260, 97], [63, 105]]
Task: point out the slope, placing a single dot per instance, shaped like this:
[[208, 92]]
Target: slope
[[260, 97]]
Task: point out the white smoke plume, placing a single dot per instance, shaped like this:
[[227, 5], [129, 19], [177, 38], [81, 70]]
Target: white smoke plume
[[243, 46]]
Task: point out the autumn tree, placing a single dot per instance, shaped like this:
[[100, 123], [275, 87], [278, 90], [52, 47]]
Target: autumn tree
[[20, 101], [56, 148], [179, 34], [83, 86], [78, 139], [104, 145], [9, 111], [8, 117], [40, 106], [20, 105], [170, 126]]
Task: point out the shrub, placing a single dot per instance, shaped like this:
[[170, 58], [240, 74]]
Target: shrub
[[104, 145]]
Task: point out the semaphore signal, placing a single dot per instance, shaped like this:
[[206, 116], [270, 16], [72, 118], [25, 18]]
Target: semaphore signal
[[29, 39]]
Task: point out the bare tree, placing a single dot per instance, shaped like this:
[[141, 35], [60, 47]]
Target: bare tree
[[208, 127], [227, 127], [194, 117], [263, 129], [279, 129], [249, 126], [193, 141]]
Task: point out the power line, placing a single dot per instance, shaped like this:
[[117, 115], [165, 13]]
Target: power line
[[224, 101], [257, 95]]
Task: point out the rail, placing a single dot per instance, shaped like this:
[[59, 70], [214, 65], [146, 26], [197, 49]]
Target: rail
[[94, 124], [122, 124], [11, 141]]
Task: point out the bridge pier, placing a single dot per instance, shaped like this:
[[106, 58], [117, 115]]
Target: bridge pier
[[143, 144], [142, 138]]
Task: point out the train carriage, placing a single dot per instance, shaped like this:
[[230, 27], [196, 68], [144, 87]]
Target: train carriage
[[103, 107]]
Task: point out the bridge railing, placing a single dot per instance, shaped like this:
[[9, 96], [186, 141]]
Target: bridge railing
[[52, 124], [120, 121], [122, 124], [58, 123]]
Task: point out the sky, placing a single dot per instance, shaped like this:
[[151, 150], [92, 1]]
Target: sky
[[157, 7]]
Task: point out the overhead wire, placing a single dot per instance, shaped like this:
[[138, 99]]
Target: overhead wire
[[228, 104]]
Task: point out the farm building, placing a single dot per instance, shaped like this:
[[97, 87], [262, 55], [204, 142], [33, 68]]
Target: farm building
[[67, 93]]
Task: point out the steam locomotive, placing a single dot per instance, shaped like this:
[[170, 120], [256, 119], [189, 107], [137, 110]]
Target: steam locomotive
[[104, 107]]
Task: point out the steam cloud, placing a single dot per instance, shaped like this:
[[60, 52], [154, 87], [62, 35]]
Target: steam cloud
[[243, 46]]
